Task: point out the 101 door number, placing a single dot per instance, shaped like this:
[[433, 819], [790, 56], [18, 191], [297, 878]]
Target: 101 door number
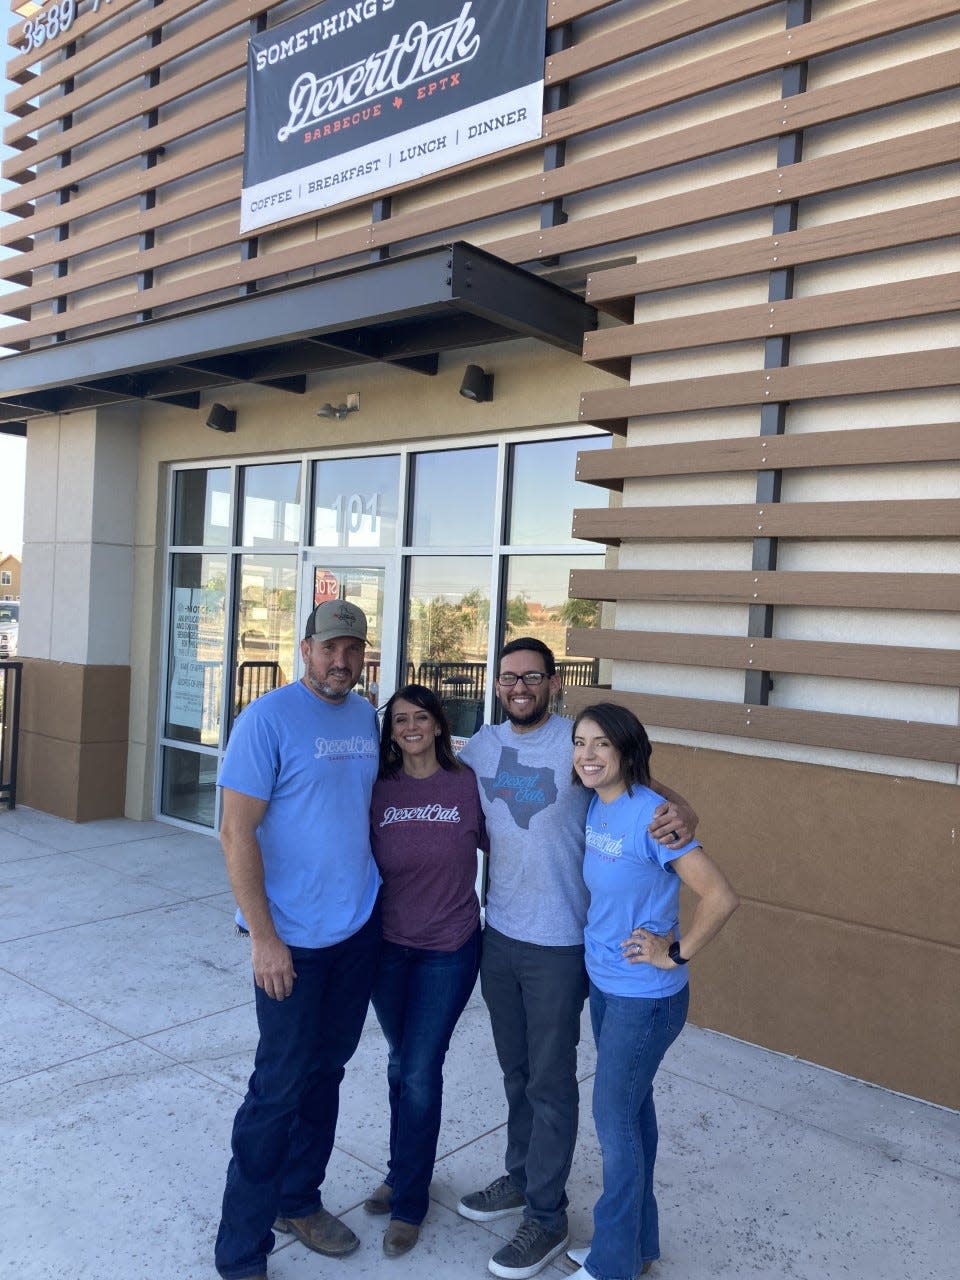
[[52, 21]]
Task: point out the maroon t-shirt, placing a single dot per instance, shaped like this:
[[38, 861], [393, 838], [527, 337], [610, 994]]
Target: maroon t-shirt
[[425, 834]]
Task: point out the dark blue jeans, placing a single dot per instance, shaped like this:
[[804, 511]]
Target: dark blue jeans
[[418, 997], [535, 997], [283, 1133], [632, 1035]]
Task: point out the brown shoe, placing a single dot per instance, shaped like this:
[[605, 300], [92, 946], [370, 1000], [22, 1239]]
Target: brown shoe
[[322, 1232], [399, 1238], [379, 1201]]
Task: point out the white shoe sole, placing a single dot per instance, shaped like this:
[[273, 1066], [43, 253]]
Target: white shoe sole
[[486, 1215], [524, 1273], [579, 1256]]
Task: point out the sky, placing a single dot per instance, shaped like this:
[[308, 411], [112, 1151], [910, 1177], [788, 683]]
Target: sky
[[13, 449]]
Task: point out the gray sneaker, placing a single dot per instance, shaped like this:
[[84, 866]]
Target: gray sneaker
[[501, 1197], [531, 1248]]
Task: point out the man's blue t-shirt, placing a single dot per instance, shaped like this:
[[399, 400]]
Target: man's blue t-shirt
[[631, 884], [315, 763]]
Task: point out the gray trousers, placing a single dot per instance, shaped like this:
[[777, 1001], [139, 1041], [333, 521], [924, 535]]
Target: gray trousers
[[535, 997]]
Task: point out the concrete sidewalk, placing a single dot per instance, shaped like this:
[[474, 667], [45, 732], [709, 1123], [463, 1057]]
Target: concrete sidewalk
[[127, 1035]]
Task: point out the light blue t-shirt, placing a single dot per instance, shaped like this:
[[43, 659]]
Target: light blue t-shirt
[[315, 762], [631, 883]]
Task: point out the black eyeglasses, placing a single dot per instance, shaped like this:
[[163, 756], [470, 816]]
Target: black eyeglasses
[[532, 679]]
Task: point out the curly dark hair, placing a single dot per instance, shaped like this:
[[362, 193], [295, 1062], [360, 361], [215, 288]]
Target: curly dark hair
[[627, 735], [391, 757]]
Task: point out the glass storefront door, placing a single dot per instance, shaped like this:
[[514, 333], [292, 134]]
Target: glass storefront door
[[370, 583]]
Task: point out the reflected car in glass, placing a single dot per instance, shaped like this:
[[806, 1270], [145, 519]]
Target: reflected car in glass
[[9, 627]]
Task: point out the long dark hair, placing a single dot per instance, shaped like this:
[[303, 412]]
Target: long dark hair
[[391, 757], [627, 735]]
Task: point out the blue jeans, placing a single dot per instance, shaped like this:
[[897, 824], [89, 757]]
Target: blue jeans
[[283, 1133], [632, 1035], [418, 997], [535, 997]]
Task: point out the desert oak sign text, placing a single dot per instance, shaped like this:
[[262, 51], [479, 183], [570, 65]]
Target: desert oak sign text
[[351, 99]]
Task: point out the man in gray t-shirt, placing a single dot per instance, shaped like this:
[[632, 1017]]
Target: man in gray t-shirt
[[532, 973]]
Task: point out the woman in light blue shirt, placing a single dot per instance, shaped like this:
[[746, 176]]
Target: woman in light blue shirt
[[636, 962]]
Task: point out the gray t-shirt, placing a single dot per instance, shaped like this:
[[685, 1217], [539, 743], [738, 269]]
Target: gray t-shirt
[[535, 819]]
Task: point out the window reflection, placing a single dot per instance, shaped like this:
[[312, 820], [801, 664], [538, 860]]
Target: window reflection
[[266, 627], [544, 491], [448, 626], [271, 504], [355, 502], [201, 508], [453, 498], [536, 604], [189, 787], [195, 669]]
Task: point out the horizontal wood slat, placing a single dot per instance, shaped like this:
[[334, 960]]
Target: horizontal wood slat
[[124, 145], [752, 58], [927, 592], [894, 300], [900, 664], [869, 91], [888, 159], [933, 442], [643, 35], [923, 518], [910, 740], [206, 70], [870, 375], [910, 225], [863, 93], [223, 20]]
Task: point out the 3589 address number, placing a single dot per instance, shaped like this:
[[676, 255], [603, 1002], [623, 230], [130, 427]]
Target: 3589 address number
[[50, 22]]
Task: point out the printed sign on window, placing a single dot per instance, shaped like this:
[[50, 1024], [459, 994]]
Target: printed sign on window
[[350, 99]]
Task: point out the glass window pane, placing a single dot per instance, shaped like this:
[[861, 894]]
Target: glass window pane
[[355, 502], [266, 626], [189, 788], [544, 491], [536, 604], [201, 508], [195, 661], [448, 624], [452, 498], [271, 504]]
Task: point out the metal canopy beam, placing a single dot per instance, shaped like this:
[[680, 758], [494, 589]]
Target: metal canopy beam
[[402, 311]]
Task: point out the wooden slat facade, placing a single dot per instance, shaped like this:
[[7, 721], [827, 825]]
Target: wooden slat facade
[[103, 239]]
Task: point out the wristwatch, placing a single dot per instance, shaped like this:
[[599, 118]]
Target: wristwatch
[[673, 951]]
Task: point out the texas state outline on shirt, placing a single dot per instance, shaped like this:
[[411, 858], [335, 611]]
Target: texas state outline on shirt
[[525, 790]]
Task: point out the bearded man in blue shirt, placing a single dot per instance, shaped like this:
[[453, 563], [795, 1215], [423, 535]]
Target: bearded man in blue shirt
[[297, 778]]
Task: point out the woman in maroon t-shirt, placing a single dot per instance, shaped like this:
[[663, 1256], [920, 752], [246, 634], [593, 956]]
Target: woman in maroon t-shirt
[[426, 826]]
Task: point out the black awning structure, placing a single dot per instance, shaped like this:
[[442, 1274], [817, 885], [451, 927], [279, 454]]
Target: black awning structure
[[401, 312]]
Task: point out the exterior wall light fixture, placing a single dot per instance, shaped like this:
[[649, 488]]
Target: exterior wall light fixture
[[476, 385], [220, 418], [340, 411], [27, 8]]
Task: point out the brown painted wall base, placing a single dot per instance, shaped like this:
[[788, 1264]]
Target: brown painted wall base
[[846, 950], [73, 739]]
